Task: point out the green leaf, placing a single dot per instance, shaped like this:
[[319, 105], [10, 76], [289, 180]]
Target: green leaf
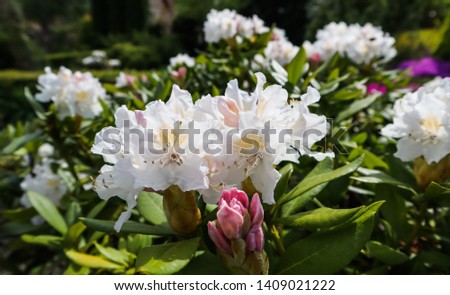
[[437, 194], [370, 160], [282, 183], [378, 177], [204, 263], [348, 94], [434, 258], [48, 211], [298, 203], [19, 142], [44, 240], [385, 253], [167, 258], [295, 67], [74, 233], [150, 206], [19, 214], [112, 254], [319, 218], [37, 108], [309, 183], [330, 251], [128, 227], [16, 228], [91, 261], [75, 269], [395, 210], [355, 107], [73, 213]]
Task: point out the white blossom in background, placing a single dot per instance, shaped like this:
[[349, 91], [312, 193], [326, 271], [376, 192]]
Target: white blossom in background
[[237, 116], [361, 44], [43, 180], [227, 24], [181, 59], [422, 123], [72, 93], [124, 80], [281, 50], [100, 58]]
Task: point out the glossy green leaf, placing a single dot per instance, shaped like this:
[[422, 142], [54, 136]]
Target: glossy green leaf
[[166, 258], [73, 213], [150, 206], [128, 227], [309, 183], [330, 251], [48, 211], [19, 214], [437, 194], [91, 261], [74, 233], [44, 240], [319, 218], [112, 254], [303, 199], [204, 263], [394, 211], [16, 228], [370, 159], [385, 253], [19, 142], [295, 67], [355, 107], [379, 177], [282, 183], [435, 258]]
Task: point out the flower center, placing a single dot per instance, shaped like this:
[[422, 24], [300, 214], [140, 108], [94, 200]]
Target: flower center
[[431, 124]]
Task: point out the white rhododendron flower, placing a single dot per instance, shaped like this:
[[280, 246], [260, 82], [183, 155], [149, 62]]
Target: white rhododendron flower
[[181, 60], [251, 133], [422, 123], [124, 80], [43, 180], [72, 93], [281, 50], [361, 44], [227, 24]]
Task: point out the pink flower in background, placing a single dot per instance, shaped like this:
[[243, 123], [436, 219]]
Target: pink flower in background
[[180, 73], [427, 66], [376, 88]]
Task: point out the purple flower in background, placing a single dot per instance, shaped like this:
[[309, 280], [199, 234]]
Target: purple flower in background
[[427, 66], [376, 87]]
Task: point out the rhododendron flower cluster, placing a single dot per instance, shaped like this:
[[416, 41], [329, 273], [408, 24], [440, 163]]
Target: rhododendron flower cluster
[[43, 180], [361, 44], [237, 233], [422, 122], [181, 59], [72, 93], [227, 24], [216, 143]]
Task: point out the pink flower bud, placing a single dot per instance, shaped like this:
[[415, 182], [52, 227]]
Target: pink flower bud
[[219, 239], [256, 211], [255, 239], [230, 221], [315, 57], [237, 195], [180, 73]]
